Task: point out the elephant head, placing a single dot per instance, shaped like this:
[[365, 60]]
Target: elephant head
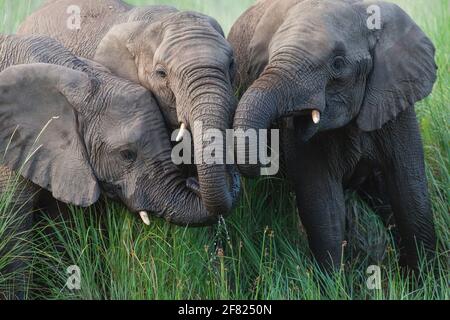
[[80, 133], [185, 61], [327, 64]]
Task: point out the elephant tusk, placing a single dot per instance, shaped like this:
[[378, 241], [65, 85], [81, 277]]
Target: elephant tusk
[[181, 133], [144, 217], [316, 116]]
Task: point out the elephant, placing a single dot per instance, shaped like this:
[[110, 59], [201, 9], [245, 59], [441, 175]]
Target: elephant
[[183, 58], [69, 126], [342, 91]]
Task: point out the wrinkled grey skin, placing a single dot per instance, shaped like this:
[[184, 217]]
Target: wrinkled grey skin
[[181, 57], [101, 133], [295, 56]]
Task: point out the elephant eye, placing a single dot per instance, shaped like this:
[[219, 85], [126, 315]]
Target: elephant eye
[[161, 72], [128, 155], [338, 65]]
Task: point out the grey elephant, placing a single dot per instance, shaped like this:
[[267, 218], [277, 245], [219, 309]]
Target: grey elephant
[[183, 58], [68, 126], [71, 127], [343, 90]]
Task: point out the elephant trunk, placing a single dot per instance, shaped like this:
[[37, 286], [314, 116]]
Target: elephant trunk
[[186, 207], [212, 103], [258, 109], [170, 196]]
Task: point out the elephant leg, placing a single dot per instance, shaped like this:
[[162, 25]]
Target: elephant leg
[[370, 185], [404, 170], [321, 205], [17, 197]]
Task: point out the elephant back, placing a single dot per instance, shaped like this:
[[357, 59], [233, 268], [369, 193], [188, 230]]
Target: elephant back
[[53, 19]]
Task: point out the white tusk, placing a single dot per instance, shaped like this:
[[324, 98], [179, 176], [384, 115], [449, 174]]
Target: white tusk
[[144, 217], [181, 133], [316, 116]]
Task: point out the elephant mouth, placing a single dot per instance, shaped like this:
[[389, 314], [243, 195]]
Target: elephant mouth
[[193, 184], [233, 181], [306, 123]]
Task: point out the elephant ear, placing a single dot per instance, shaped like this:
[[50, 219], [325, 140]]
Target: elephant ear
[[116, 50], [40, 134], [404, 69]]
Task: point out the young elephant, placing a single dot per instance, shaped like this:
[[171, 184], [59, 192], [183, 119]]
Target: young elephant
[[346, 93], [183, 58], [72, 128]]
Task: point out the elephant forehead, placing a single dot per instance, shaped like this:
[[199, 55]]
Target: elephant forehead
[[320, 30], [126, 102], [303, 37], [139, 131], [195, 41], [193, 53], [128, 131]]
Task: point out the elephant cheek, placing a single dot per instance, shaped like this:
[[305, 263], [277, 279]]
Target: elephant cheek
[[168, 105]]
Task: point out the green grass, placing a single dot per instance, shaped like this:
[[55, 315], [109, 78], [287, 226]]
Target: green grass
[[266, 254], [15, 243]]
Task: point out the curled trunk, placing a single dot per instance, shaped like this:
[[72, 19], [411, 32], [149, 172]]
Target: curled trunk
[[211, 104], [169, 196], [185, 207], [258, 109]]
